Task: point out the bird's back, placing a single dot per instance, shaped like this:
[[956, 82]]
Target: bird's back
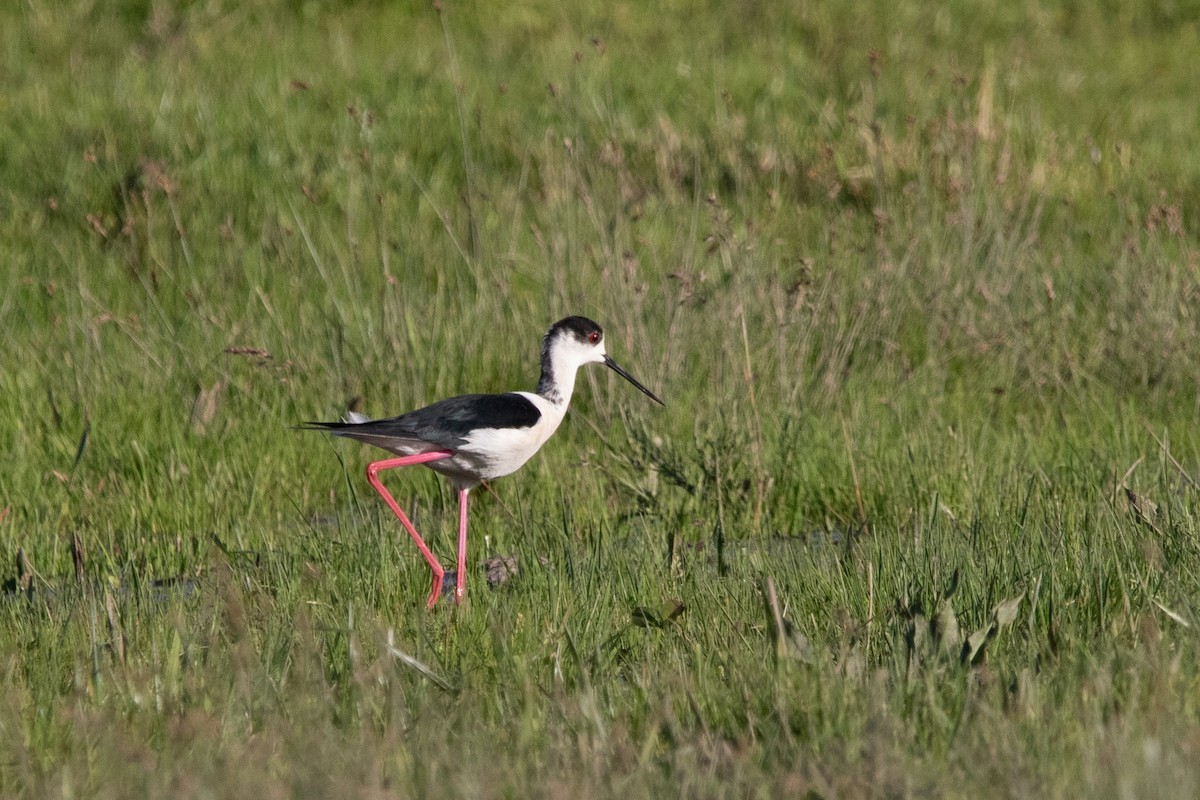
[[489, 435], [444, 425]]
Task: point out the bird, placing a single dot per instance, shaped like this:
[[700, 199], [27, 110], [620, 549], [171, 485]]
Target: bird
[[473, 438]]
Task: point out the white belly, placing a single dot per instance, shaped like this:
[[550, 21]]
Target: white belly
[[491, 453]]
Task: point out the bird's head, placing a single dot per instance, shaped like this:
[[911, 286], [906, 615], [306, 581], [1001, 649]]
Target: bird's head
[[575, 341]]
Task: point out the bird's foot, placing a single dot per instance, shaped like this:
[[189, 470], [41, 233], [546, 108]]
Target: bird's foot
[[452, 586], [439, 588], [445, 584]]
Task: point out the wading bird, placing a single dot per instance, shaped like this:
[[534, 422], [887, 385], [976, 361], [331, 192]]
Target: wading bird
[[480, 437]]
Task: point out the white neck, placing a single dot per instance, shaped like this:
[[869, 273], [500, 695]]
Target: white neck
[[557, 383], [561, 360]]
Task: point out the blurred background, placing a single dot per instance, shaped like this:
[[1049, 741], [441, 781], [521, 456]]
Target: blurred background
[[918, 282]]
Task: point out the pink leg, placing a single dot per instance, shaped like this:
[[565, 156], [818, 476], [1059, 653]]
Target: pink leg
[[373, 470], [460, 587]]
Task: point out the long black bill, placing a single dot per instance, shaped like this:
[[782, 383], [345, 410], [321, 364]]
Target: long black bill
[[608, 362]]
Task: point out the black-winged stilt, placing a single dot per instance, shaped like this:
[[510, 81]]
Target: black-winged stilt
[[480, 437]]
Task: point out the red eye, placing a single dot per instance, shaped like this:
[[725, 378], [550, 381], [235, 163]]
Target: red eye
[[594, 337]]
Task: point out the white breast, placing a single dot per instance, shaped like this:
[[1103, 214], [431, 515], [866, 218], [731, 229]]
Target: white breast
[[490, 453]]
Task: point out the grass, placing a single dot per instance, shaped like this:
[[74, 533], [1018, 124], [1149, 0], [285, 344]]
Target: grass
[[918, 283]]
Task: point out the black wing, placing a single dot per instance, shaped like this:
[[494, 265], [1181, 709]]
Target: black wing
[[446, 423]]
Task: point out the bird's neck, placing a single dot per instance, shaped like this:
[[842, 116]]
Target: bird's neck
[[557, 382]]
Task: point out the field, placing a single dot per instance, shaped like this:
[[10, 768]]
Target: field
[[919, 283]]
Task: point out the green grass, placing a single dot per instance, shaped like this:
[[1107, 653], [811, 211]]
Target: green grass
[[952, 251]]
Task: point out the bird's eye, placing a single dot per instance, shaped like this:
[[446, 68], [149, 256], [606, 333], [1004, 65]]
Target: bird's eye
[[594, 337]]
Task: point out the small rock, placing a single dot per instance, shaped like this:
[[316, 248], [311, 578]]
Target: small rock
[[499, 569]]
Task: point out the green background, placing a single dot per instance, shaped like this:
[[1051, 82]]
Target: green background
[[919, 284]]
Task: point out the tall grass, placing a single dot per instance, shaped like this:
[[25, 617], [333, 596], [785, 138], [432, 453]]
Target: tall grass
[[918, 284]]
